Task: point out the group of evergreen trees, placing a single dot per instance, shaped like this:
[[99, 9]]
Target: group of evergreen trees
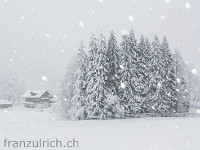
[[133, 78]]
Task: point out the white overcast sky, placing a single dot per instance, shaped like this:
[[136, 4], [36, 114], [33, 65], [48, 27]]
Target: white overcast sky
[[39, 37]]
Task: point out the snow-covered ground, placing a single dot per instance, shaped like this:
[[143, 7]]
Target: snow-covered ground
[[130, 134]]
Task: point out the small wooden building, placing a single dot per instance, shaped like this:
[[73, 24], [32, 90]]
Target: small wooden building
[[5, 104], [37, 99]]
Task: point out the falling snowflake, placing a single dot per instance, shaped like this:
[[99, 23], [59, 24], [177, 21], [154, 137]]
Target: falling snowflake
[[198, 111], [177, 90], [162, 17], [187, 5], [178, 80], [122, 85], [48, 35], [62, 51], [169, 94], [188, 144], [194, 71], [159, 85], [11, 59], [176, 126], [122, 67], [81, 24], [167, 1], [22, 17], [44, 78], [100, 1], [131, 18]]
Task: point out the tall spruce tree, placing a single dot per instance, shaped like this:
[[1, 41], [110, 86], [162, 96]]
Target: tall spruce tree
[[144, 71], [156, 77], [193, 84], [181, 85], [135, 103], [113, 62], [98, 79], [91, 77], [79, 98], [101, 70], [67, 89], [125, 92], [169, 92]]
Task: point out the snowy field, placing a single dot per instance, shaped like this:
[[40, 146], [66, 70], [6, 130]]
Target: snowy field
[[130, 134]]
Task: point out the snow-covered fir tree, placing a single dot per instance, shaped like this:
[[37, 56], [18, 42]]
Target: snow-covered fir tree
[[136, 101], [92, 79], [77, 110], [128, 76], [183, 95], [113, 62], [195, 91], [98, 105], [169, 92], [125, 92], [156, 78], [67, 89], [143, 70], [193, 84]]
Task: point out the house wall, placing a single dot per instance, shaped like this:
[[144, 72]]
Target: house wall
[[42, 105], [32, 99], [5, 105]]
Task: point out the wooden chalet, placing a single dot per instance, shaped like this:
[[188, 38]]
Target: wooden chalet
[[37, 99]]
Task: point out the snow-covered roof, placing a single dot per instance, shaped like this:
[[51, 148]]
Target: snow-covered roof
[[2, 101], [34, 93]]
